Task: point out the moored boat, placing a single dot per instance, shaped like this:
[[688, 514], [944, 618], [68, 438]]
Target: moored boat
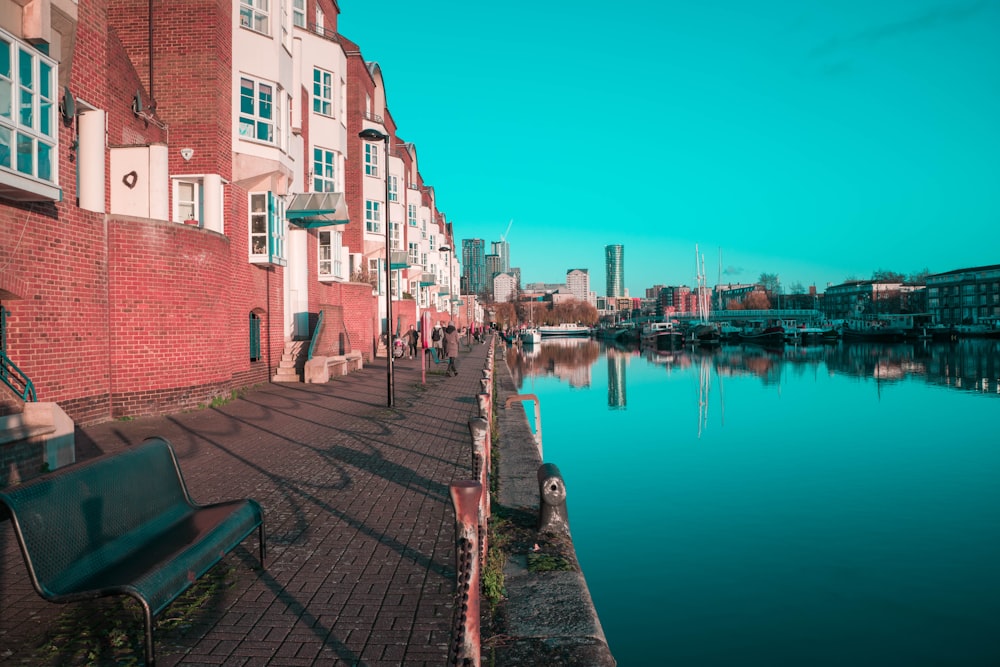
[[763, 335], [564, 329], [661, 336], [872, 329], [531, 336]]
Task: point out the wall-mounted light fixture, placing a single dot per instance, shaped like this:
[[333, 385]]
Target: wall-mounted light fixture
[[186, 153], [67, 105]]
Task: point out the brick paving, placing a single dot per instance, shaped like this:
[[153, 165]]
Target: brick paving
[[360, 567]]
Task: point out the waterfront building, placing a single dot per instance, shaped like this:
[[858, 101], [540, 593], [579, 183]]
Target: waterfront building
[[211, 178], [861, 298], [614, 269], [965, 296], [474, 266], [504, 287], [729, 294], [578, 283]]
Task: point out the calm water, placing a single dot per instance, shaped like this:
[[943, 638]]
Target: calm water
[[831, 505]]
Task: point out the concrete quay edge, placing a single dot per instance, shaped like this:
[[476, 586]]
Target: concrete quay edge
[[551, 615]]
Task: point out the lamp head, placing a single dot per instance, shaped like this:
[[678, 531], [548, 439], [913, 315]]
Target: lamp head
[[445, 248], [371, 134]]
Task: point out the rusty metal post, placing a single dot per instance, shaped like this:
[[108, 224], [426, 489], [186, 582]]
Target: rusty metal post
[[480, 430], [464, 648], [552, 515]]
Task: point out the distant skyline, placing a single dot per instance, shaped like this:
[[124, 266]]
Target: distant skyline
[[817, 141]]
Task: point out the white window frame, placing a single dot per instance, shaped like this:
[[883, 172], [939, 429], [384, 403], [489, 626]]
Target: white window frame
[[266, 228], [320, 20], [331, 243], [371, 159], [430, 242], [413, 256], [373, 216], [423, 229], [299, 13], [393, 189], [395, 234], [261, 113], [255, 15], [411, 214], [29, 133], [323, 92], [189, 208], [375, 267], [326, 167]]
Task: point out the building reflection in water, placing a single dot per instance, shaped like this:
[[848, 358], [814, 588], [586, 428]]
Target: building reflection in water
[[617, 361], [569, 359], [970, 365]]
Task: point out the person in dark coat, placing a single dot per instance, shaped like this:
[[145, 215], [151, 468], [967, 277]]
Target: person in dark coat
[[450, 344], [413, 339]]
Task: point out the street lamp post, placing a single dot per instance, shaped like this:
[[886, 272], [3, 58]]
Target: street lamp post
[[371, 134], [451, 285]]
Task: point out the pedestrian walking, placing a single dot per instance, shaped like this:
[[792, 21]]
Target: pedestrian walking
[[413, 340], [451, 348]]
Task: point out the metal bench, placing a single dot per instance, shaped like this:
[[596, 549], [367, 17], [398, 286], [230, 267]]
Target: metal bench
[[124, 525]]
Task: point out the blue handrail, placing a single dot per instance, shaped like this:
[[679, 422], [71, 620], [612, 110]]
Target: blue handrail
[[15, 378], [316, 333]]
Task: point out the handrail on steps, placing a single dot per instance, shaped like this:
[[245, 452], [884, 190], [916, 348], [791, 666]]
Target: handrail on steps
[[316, 333], [15, 378]]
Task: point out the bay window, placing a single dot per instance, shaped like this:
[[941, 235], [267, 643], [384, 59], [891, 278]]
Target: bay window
[[28, 128], [267, 229], [330, 253], [257, 112]]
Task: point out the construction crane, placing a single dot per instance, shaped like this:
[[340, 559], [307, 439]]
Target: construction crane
[[503, 237]]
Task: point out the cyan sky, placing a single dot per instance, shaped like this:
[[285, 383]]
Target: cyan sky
[[816, 140]]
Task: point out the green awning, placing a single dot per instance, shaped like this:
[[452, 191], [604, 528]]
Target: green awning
[[317, 209], [399, 259]]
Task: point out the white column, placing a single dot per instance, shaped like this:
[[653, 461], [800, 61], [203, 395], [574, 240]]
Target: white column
[[91, 158]]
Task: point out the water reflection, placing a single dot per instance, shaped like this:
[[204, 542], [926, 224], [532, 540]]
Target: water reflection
[[569, 359], [617, 362]]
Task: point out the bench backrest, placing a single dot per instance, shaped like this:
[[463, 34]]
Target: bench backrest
[[77, 516]]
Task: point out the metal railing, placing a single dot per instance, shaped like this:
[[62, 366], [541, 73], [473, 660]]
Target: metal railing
[[315, 336], [10, 374]]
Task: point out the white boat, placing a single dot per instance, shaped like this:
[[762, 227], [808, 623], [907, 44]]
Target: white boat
[[564, 329], [531, 336]]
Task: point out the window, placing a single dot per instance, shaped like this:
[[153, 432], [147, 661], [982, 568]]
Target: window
[[253, 15], [254, 337], [413, 256], [28, 132], [393, 191], [257, 110], [187, 200], [373, 216], [431, 242], [299, 13], [423, 260], [411, 214], [267, 229], [394, 234], [324, 170], [423, 229], [371, 159], [322, 92], [320, 20], [330, 253], [375, 271]]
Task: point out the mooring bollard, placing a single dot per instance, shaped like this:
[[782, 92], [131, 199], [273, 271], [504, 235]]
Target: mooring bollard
[[552, 515], [483, 401], [465, 640]]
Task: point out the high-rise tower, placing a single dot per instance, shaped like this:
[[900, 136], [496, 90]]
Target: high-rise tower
[[474, 265], [614, 269]]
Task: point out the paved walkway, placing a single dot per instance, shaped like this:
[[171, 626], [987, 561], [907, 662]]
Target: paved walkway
[[360, 523]]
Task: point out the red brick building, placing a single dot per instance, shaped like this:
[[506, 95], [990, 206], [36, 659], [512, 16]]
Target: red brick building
[[182, 195]]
